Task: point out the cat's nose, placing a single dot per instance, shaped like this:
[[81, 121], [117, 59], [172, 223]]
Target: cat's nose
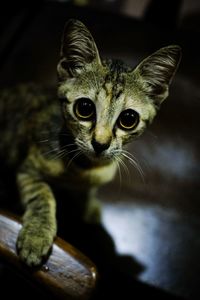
[[99, 147]]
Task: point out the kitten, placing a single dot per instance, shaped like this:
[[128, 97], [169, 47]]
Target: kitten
[[76, 142]]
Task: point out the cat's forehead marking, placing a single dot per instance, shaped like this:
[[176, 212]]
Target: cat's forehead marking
[[115, 78]]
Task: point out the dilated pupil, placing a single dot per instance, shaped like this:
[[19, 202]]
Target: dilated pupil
[[85, 108], [128, 119]]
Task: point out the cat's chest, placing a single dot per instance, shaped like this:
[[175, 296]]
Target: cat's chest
[[62, 174]]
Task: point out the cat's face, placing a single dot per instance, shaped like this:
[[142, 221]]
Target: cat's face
[[104, 112], [106, 104]]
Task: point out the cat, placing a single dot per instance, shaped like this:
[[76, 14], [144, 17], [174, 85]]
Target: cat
[[75, 137]]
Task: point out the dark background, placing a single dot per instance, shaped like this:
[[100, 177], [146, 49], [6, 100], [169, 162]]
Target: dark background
[[149, 243]]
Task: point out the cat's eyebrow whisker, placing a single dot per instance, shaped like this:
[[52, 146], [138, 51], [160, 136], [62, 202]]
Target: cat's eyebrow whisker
[[95, 80]]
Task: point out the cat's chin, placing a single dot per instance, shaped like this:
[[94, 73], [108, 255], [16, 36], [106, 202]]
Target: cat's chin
[[100, 160], [92, 160]]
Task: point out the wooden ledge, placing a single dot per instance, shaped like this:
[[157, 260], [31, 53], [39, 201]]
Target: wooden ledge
[[67, 272]]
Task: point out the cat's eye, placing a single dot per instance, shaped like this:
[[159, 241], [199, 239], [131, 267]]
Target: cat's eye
[[128, 119], [84, 109]]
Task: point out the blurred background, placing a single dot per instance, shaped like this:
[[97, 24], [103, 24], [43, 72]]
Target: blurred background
[[151, 218]]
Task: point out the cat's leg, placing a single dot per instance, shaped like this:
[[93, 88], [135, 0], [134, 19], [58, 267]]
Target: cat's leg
[[92, 208], [39, 221]]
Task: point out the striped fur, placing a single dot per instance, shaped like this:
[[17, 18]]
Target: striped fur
[[45, 143]]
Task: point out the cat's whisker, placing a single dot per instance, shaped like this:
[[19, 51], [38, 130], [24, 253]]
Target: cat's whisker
[[74, 150], [43, 141], [82, 145], [132, 156], [46, 141], [134, 163], [132, 159], [53, 153], [76, 155], [62, 152], [152, 134], [119, 171], [47, 136], [67, 145], [50, 151], [55, 150], [122, 163], [125, 168]]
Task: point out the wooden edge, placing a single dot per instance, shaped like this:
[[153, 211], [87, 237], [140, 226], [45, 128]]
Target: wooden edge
[[67, 272]]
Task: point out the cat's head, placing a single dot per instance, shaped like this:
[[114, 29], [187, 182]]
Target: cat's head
[[105, 103]]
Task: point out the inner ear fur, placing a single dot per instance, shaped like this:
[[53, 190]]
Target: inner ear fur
[[78, 49]]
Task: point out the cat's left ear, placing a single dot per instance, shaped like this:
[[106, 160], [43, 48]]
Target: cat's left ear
[[78, 50], [155, 73]]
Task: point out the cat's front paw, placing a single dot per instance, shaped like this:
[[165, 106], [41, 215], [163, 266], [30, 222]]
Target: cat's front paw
[[34, 244]]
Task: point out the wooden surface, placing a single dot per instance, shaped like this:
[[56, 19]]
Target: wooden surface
[[67, 273]]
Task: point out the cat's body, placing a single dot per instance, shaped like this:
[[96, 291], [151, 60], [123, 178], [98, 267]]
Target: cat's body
[[76, 143], [32, 123]]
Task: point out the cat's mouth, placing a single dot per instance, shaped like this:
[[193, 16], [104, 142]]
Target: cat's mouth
[[84, 158], [91, 159]]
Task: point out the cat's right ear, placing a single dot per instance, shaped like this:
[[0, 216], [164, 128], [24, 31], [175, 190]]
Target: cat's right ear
[[155, 73], [78, 50]]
